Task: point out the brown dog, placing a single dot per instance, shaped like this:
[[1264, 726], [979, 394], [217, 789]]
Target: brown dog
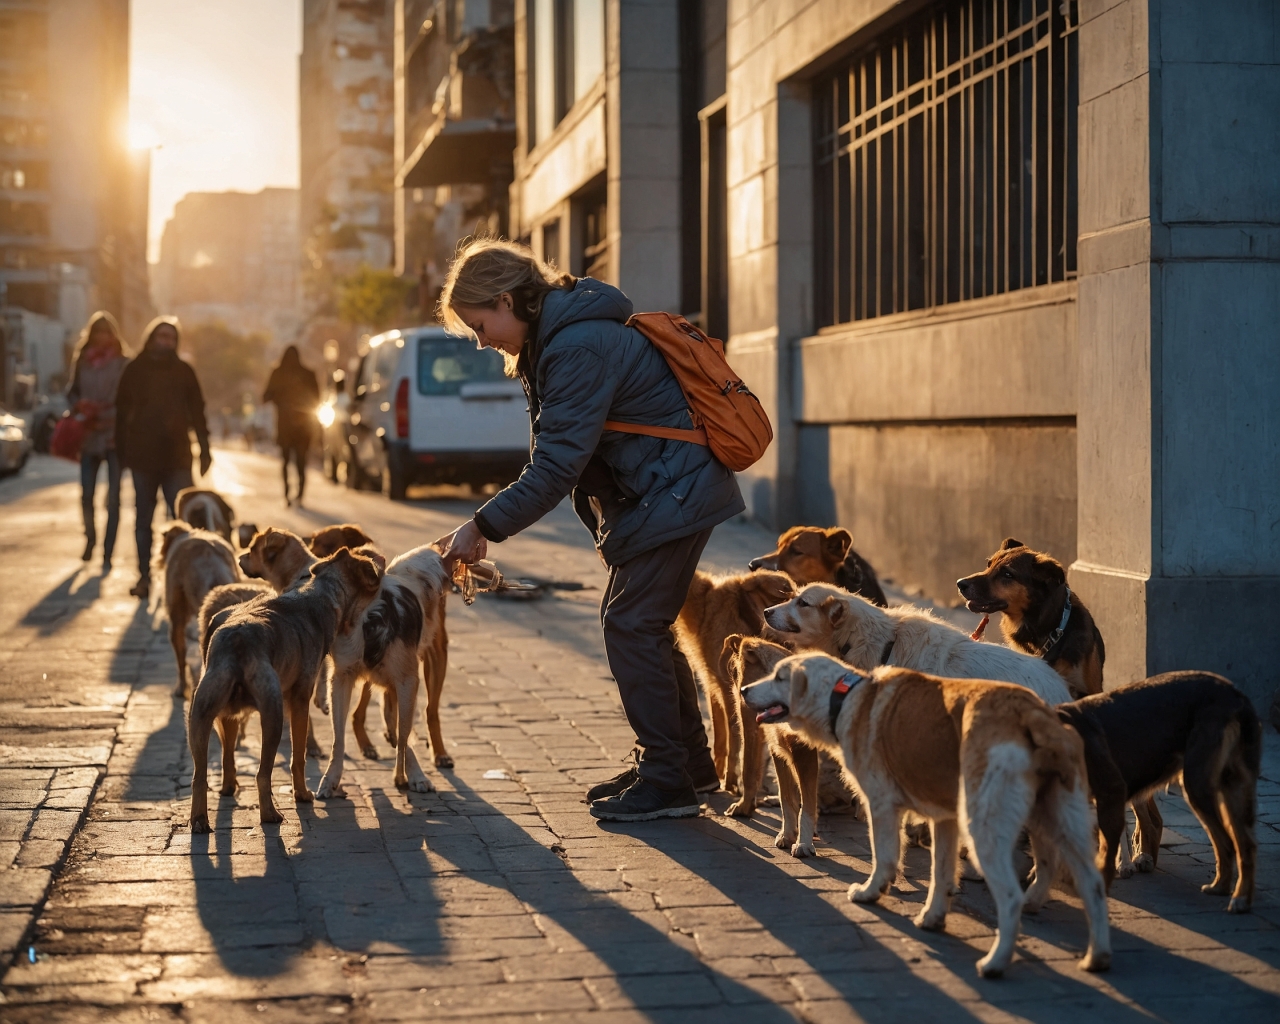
[[328, 539], [194, 561], [1041, 615], [810, 554], [267, 655], [205, 510], [715, 609]]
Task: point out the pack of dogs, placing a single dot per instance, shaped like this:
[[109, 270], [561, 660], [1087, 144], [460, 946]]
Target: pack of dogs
[[969, 746]]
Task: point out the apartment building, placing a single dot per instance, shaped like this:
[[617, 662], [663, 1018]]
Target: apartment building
[[73, 196], [347, 135], [233, 258], [1011, 269]]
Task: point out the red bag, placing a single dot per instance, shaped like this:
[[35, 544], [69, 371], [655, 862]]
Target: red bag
[[727, 417], [68, 437]]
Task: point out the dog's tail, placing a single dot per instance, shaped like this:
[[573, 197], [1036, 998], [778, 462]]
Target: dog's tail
[[1056, 750]]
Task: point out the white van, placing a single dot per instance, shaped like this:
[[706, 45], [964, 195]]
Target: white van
[[427, 408]]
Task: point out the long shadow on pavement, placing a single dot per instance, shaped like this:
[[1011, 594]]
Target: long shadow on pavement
[[59, 607]]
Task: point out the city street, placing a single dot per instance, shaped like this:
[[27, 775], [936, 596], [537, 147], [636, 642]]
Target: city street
[[498, 896]]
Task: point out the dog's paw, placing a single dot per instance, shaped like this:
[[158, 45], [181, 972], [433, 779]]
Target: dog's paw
[[313, 748], [270, 816], [388, 737], [1239, 905], [931, 921], [181, 690], [801, 850], [741, 808], [303, 796], [329, 791], [229, 788], [1218, 887], [200, 825], [784, 841], [1144, 863], [988, 968], [444, 761], [370, 752], [1095, 962], [864, 893], [418, 784]]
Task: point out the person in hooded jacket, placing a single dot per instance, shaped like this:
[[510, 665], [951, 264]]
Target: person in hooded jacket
[[158, 404], [100, 361], [293, 389], [649, 502]]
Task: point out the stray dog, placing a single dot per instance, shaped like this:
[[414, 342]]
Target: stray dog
[[795, 760], [1041, 615], [979, 759], [328, 539], [1140, 737], [266, 655], [825, 618], [715, 609], [195, 561], [205, 510], [810, 554], [399, 630]]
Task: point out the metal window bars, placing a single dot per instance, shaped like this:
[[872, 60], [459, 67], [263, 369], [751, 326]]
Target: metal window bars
[[946, 160]]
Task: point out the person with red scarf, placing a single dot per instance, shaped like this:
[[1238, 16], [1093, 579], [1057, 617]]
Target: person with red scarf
[[99, 363]]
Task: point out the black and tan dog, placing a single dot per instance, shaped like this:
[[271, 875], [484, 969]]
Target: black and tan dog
[[810, 554], [1041, 615], [1139, 737], [266, 655]]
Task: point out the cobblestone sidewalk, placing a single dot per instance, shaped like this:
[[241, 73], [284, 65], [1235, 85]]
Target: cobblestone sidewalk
[[498, 896]]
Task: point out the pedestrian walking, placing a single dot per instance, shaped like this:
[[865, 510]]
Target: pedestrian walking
[[100, 360], [296, 394], [158, 405], [649, 502]]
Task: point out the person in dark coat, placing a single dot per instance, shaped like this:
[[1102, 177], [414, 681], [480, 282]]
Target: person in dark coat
[[296, 394], [158, 405], [650, 503], [99, 362]]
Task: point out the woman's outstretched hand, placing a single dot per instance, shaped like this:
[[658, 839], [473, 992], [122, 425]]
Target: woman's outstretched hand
[[466, 544]]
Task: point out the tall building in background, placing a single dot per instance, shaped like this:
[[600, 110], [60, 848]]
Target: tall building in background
[[347, 133], [232, 257], [73, 196], [455, 129]]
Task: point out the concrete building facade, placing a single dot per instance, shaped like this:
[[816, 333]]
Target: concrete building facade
[[455, 129], [347, 133], [1108, 393], [233, 258], [73, 196], [995, 270]]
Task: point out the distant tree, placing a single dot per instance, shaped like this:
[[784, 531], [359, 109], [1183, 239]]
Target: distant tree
[[373, 298], [228, 363]]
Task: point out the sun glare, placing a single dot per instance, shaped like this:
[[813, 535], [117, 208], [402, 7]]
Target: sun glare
[[143, 136]]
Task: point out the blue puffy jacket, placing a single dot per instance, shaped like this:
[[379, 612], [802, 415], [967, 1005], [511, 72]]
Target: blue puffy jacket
[[586, 366]]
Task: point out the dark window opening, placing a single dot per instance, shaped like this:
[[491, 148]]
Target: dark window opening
[[945, 160], [591, 253]]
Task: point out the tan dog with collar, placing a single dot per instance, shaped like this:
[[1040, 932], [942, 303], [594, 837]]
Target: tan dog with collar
[[979, 759]]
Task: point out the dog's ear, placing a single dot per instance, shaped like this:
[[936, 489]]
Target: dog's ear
[[835, 610], [226, 509], [1009, 544], [836, 543], [1048, 569], [273, 544], [171, 537]]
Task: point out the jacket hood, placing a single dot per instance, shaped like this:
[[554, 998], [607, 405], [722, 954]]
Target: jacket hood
[[589, 299]]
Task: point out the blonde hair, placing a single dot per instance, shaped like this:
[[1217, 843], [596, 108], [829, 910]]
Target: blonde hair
[[485, 268], [101, 317]]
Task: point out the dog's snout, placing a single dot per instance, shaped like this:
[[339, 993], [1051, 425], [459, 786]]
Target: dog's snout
[[756, 564], [964, 585]]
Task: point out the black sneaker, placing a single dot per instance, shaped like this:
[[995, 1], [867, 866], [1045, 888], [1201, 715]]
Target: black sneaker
[[645, 802], [616, 785]]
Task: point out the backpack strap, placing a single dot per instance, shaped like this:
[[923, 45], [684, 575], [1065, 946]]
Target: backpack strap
[[698, 436]]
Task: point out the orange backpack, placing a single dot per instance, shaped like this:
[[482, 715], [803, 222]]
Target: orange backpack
[[726, 416]]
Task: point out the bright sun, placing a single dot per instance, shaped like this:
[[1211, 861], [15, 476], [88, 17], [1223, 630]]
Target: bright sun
[[143, 136]]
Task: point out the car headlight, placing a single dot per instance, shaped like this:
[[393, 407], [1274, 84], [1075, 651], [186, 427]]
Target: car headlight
[[10, 433], [325, 415]]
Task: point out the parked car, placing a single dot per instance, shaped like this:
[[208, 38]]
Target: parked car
[[15, 445], [429, 408]]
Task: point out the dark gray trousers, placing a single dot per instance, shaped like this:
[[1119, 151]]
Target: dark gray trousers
[[659, 696]]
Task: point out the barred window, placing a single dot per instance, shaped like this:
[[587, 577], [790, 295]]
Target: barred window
[[946, 160]]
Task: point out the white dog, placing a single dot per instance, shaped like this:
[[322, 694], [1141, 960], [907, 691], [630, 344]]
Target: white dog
[[824, 617], [980, 759]]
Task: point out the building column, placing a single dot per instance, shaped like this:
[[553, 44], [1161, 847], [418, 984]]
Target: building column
[[1179, 295]]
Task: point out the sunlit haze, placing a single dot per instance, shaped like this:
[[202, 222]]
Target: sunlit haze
[[215, 87]]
